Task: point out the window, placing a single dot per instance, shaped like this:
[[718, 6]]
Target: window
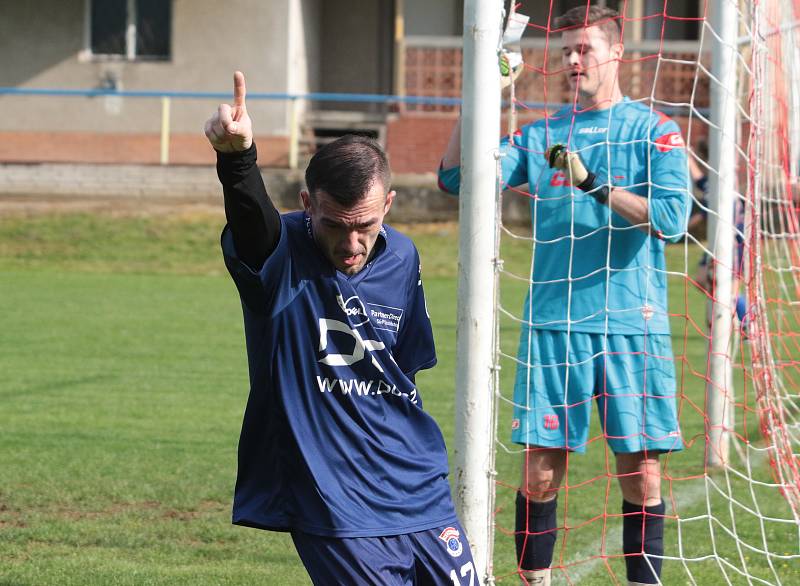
[[130, 29]]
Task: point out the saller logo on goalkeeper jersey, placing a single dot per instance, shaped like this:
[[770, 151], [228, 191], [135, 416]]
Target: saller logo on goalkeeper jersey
[[593, 130]]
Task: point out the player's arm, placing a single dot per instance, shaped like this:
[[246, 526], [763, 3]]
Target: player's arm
[[450, 170], [452, 154], [668, 216], [670, 183], [630, 206], [415, 349], [252, 217], [513, 166]]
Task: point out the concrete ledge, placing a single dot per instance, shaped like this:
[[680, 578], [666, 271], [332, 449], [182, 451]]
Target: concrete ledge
[[418, 196]]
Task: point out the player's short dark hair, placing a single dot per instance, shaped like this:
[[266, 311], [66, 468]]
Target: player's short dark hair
[[606, 19], [347, 168]]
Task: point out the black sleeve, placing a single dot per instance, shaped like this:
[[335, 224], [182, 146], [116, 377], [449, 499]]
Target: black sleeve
[[254, 222]]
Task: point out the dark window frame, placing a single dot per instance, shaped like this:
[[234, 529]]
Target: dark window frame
[[131, 35]]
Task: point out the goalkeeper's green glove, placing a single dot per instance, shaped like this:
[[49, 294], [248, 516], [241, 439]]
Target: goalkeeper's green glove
[[507, 74], [558, 157]]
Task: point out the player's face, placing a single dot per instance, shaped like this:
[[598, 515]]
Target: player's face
[[347, 235], [591, 62]]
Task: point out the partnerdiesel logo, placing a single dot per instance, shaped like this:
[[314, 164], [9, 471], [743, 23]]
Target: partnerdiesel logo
[[385, 317]]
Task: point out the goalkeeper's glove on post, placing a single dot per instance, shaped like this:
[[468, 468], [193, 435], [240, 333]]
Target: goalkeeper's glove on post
[[558, 157], [508, 75]]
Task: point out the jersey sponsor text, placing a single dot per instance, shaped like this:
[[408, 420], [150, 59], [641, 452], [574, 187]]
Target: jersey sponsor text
[[359, 349], [593, 130], [385, 317], [362, 388]]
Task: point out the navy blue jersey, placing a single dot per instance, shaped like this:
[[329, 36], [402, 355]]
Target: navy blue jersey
[[334, 440]]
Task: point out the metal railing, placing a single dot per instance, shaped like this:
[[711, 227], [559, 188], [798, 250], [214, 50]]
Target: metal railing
[[405, 104], [294, 101]]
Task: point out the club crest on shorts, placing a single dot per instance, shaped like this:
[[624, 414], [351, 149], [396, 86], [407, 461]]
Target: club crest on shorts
[[450, 536], [551, 421]]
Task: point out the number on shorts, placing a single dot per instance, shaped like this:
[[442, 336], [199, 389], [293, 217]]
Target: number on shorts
[[467, 568]]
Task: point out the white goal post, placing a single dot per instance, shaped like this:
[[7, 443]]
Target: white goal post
[[480, 124], [724, 506]]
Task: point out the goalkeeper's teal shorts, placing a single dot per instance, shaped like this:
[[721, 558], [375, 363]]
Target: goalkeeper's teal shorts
[[631, 378]]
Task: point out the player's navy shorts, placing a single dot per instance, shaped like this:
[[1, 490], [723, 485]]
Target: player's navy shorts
[[432, 557], [632, 379]]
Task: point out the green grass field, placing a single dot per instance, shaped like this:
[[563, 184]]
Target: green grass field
[[124, 382]]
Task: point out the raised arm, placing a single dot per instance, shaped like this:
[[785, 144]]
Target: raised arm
[[452, 154], [451, 160], [252, 218]]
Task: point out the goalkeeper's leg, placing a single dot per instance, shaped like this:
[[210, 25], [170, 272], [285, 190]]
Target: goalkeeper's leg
[[552, 410], [536, 528], [643, 516], [639, 417]]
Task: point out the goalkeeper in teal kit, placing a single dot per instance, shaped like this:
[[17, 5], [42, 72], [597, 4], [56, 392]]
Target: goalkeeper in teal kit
[[610, 186]]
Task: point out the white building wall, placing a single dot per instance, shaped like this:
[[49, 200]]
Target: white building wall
[[438, 18], [43, 42], [304, 49]]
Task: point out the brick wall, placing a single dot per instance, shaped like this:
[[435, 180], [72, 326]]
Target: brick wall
[[415, 143]]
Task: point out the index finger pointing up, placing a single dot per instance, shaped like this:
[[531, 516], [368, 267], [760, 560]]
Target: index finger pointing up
[[239, 89]]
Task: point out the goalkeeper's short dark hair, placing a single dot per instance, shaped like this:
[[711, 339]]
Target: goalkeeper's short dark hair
[[606, 19], [347, 168]]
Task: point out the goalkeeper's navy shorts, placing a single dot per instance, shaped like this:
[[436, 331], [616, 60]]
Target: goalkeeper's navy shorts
[[431, 557], [631, 378]]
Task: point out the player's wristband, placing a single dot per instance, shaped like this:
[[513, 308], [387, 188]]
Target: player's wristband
[[591, 187]]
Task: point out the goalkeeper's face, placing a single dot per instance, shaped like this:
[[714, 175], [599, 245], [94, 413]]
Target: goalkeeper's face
[[346, 235], [591, 63]]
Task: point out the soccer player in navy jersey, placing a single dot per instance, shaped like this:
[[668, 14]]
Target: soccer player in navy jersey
[[335, 446], [610, 184]]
